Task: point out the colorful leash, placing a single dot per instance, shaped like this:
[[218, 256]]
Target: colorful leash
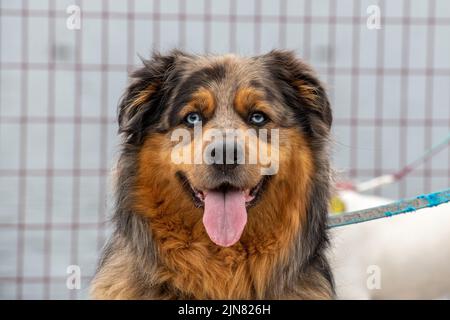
[[389, 210]]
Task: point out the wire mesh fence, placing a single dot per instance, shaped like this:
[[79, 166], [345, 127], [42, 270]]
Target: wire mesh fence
[[59, 87]]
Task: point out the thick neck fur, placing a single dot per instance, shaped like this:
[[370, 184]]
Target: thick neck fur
[[161, 250]]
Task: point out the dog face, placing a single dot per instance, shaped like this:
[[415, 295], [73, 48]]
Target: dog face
[[200, 125]]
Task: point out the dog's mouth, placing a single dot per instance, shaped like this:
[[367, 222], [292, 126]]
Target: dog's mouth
[[225, 209]]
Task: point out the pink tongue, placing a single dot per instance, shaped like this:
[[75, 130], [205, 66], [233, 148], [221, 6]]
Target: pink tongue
[[225, 216]]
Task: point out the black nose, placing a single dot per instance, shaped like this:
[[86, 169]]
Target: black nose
[[226, 156]]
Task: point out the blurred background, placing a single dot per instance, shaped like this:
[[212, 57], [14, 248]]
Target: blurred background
[[59, 88]]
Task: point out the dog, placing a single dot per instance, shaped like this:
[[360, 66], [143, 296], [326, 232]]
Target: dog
[[220, 230]]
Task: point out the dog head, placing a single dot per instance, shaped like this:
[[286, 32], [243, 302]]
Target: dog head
[[225, 138]]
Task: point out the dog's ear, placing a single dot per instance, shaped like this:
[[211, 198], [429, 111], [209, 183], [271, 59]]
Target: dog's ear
[[144, 100], [301, 90]]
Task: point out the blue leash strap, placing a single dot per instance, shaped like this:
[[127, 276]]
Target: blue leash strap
[[389, 210]]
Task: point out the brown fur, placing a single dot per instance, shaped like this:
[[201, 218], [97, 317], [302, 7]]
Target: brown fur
[[176, 258], [184, 247], [143, 96], [250, 99]]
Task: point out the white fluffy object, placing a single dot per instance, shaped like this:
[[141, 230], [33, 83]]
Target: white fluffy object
[[410, 253]]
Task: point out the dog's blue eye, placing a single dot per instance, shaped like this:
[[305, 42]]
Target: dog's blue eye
[[258, 118], [193, 118]]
